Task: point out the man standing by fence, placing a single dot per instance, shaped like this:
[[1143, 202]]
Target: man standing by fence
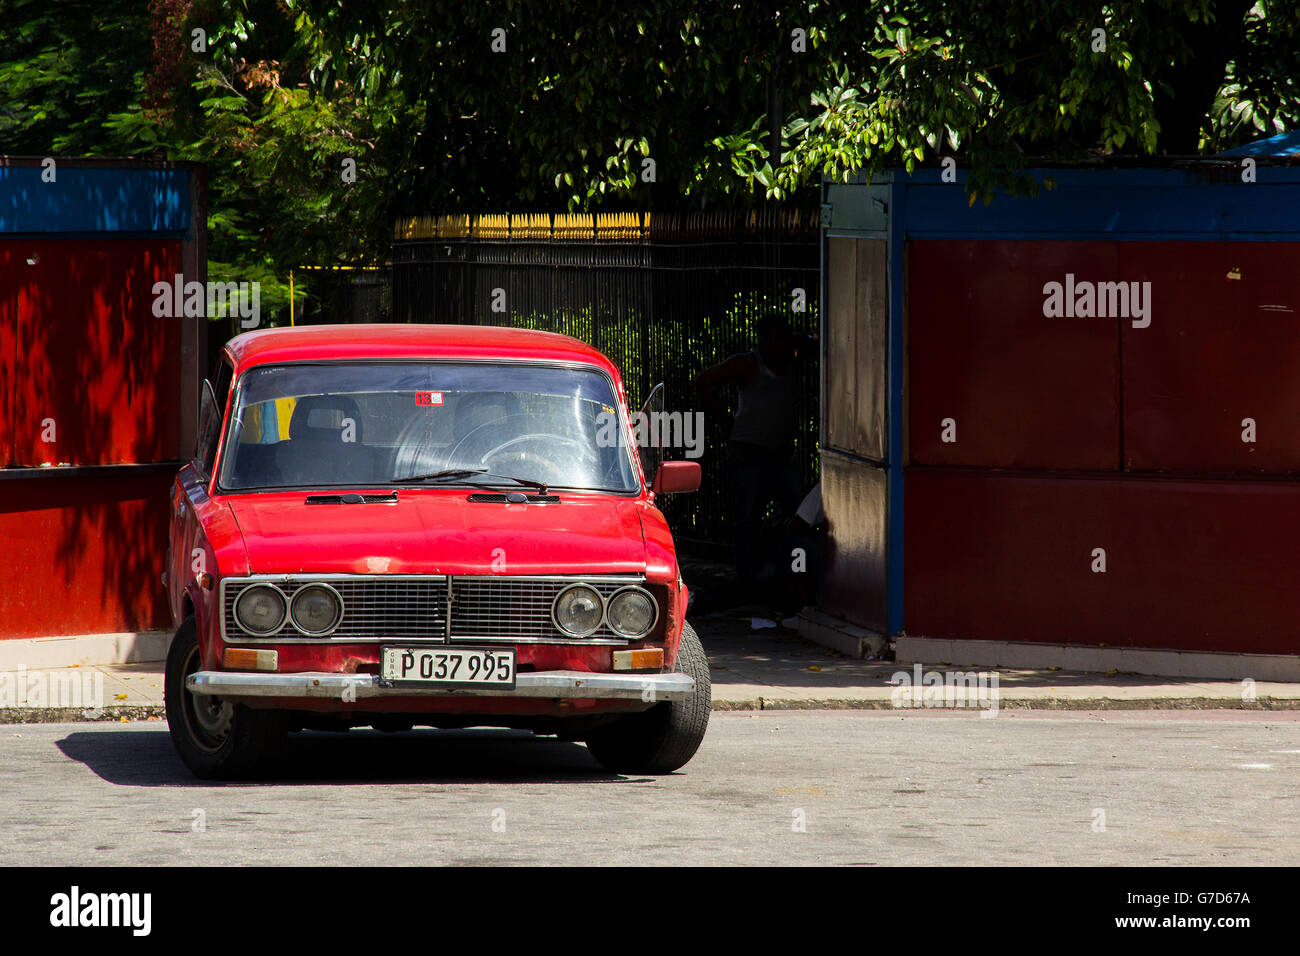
[[760, 464]]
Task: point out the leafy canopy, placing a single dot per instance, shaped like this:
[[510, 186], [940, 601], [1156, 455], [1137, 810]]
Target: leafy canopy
[[511, 105]]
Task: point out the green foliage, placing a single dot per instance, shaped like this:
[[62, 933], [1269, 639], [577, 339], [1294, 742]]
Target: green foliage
[[735, 104], [579, 98], [1262, 85], [298, 174], [62, 75]]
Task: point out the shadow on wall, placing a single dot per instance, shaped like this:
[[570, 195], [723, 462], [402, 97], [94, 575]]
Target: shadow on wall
[[88, 376]]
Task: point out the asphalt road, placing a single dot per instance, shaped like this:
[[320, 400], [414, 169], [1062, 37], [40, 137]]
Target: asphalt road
[[810, 787]]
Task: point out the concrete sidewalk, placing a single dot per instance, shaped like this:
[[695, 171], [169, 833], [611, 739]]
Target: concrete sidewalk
[[767, 669], [84, 692], [776, 669]]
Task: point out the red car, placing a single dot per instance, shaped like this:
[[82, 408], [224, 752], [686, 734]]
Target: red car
[[403, 525]]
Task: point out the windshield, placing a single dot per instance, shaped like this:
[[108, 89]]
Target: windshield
[[369, 424]]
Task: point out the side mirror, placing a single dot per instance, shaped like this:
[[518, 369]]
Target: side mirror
[[655, 401], [674, 477], [209, 428], [650, 411]]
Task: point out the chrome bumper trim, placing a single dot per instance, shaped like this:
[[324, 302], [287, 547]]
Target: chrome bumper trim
[[543, 684]]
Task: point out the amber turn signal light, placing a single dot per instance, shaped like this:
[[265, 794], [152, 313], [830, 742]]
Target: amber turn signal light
[[249, 659], [639, 660]]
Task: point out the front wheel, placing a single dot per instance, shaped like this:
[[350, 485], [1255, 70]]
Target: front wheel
[[663, 738], [218, 739]]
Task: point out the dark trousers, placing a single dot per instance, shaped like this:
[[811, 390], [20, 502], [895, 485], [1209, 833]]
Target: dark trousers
[[757, 476]]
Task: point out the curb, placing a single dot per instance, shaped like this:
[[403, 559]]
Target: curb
[[125, 714], [1043, 703], [77, 715]]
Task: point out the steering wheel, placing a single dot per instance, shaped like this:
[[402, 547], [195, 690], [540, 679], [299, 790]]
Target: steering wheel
[[584, 453], [555, 454]]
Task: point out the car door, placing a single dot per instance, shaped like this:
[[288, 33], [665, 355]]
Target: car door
[[190, 487]]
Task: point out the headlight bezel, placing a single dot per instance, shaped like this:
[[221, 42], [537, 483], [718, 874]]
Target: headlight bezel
[[284, 609], [338, 609], [555, 609], [641, 592]]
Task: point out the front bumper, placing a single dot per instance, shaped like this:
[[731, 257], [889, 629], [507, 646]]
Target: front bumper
[[544, 684]]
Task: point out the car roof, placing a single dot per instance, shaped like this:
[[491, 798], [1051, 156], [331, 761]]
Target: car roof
[[308, 343]]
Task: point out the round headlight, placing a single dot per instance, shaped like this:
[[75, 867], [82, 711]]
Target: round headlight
[[632, 612], [578, 610], [260, 609], [316, 609]]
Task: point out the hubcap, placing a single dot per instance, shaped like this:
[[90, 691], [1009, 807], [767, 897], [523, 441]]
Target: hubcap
[[209, 717]]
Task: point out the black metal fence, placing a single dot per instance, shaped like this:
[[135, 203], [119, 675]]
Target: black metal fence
[[322, 296], [664, 296], [346, 295]]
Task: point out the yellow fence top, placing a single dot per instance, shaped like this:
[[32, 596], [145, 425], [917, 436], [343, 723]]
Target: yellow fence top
[[606, 226]]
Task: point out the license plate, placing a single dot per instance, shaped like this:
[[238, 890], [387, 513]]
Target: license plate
[[448, 666]]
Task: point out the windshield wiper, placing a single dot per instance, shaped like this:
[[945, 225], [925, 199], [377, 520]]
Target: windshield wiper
[[467, 472]]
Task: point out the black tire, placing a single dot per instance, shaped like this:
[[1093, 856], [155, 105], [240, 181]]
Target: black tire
[[218, 739], [663, 738]]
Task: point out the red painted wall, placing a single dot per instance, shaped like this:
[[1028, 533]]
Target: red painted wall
[[83, 554], [1082, 433], [1195, 565], [80, 348], [1024, 391], [1223, 346]]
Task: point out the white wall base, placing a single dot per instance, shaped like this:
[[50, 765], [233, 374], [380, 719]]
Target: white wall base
[[1160, 663], [131, 647]]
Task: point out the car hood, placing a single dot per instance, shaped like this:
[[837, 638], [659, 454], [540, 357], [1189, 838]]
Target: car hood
[[440, 532]]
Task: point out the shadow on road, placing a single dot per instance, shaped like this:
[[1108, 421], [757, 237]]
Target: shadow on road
[[146, 758]]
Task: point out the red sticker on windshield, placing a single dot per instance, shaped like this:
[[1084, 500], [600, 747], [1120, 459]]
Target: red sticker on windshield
[[428, 398]]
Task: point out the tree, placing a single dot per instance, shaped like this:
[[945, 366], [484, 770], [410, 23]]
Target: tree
[[570, 103], [63, 75], [511, 105]]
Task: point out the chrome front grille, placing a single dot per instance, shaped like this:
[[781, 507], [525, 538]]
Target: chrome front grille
[[517, 608], [375, 607], [506, 608]]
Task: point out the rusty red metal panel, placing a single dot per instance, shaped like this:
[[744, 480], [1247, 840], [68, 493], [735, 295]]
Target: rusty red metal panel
[[97, 371], [1022, 390], [83, 553], [11, 263], [1223, 346], [854, 576], [1192, 565]]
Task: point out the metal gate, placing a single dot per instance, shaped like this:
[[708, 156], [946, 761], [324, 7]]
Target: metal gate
[[664, 296]]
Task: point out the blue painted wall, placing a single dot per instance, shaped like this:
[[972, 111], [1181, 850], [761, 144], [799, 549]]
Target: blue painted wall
[[94, 199], [1206, 202]]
